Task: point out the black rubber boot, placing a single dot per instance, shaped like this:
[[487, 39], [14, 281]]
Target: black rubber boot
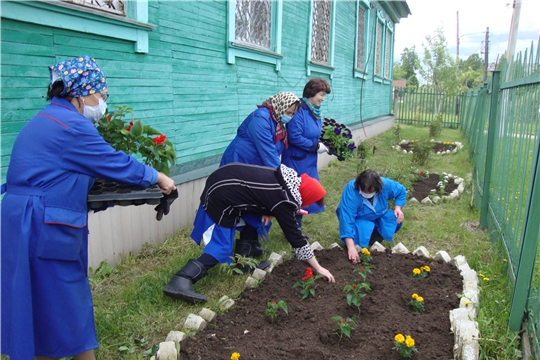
[[248, 245], [375, 236], [179, 287]]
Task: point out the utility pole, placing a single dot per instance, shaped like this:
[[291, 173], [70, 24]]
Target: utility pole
[[512, 37], [486, 53], [457, 43]]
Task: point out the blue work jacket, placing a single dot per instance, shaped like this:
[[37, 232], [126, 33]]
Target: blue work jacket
[[254, 142], [358, 217], [54, 161], [303, 132]]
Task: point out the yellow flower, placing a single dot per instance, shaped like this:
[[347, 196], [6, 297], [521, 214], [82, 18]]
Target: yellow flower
[[409, 341], [426, 268], [66, 72], [92, 92], [81, 59], [482, 275], [466, 302], [486, 279], [399, 338], [420, 299], [365, 251], [235, 356], [416, 271], [414, 296], [505, 260], [79, 72]]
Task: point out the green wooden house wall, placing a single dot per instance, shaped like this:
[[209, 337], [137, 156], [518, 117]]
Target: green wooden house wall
[[176, 76]]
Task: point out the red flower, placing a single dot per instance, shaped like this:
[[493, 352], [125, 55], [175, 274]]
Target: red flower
[[130, 125], [421, 173], [158, 140], [362, 269], [308, 274], [354, 286], [273, 302], [108, 117], [343, 321]]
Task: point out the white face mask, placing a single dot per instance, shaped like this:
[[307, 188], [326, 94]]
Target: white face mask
[[366, 196], [94, 113]]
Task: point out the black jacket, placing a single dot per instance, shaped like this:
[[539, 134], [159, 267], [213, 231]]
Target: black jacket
[[236, 188]]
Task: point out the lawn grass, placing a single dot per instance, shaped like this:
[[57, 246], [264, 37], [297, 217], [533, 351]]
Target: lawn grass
[[132, 313]]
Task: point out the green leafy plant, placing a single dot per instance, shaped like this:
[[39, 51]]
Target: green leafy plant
[[396, 134], [443, 182], [307, 283], [355, 294], [236, 266], [404, 345], [363, 271], [134, 138], [417, 303], [421, 151], [340, 139], [421, 272], [345, 326], [273, 308], [435, 127]]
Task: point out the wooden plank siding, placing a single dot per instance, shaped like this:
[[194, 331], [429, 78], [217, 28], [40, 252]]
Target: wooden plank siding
[[184, 87]]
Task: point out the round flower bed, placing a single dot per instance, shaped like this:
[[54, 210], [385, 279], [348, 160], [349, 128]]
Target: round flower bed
[[433, 188], [439, 147]]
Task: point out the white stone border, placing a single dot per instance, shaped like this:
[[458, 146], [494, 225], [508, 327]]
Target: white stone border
[[452, 196], [459, 146], [462, 319]]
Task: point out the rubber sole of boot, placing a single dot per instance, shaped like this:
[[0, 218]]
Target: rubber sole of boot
[[191, 298]]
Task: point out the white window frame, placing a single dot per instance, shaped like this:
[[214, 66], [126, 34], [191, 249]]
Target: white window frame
[[313, 66], [389, 57], [240, 50]]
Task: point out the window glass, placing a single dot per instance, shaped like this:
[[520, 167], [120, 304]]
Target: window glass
[[361, 36], [320, 31], [253, 22], [378, 49], [111, 6]]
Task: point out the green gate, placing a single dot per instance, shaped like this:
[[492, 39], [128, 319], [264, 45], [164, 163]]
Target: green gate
[[502, 122]]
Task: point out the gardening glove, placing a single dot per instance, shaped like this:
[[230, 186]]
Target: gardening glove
[[322, 148], [165, 204]]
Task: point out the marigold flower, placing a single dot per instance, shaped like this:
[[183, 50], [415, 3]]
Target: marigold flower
[[409, 341], [416, 271], [399, 338], [420, 299], [482, 275], [425, 268], [365, 251], [486, 279], [235, 356], [414, 296]]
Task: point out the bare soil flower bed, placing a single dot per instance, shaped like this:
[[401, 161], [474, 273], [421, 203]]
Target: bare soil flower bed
[[422, 187], [308, 331]]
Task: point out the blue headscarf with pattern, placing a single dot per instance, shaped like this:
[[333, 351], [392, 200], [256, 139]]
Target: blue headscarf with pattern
[[81, 76]]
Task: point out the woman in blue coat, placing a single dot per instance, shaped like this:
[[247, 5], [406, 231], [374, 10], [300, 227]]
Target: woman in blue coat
[[46, 301], [363, 212], [260, 140], [304, 132]]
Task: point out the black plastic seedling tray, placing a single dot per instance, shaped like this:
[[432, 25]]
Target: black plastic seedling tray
[[328, 121], [104, 194]]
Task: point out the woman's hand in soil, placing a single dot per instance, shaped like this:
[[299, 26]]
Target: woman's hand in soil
[[327, 275], [351, 251], [399, 214]]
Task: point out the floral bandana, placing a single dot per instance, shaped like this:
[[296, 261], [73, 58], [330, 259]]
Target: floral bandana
[[81, 76], [278, 104]]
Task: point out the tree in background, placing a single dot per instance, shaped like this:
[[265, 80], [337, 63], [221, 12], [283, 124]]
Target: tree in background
[[471, 71], [407, 67], [439, 69]]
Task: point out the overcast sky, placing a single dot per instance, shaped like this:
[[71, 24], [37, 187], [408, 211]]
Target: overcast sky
[[474, 17]]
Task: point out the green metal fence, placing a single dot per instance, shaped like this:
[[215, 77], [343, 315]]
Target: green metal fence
[[502, 122], [421, 106]]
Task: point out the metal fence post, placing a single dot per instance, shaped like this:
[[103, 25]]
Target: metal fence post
[[492, 130], [527, 257]]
